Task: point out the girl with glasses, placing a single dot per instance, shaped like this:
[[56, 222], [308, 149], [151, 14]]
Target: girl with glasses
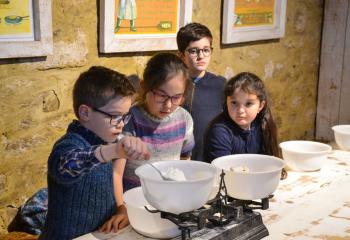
[[157, 118]]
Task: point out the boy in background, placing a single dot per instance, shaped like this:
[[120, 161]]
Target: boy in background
[[81, 185], [206, 98]]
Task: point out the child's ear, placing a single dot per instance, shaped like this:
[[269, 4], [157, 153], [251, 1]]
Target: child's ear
[[84, 112], [180, 55], [142, 84], [262, 105]]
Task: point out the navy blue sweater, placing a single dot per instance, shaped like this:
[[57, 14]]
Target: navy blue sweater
[[79, 204], [225, 137], [205, 102]]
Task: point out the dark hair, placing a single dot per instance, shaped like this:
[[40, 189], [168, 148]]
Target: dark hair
[[98, 85], [159, 69], [135, 81], [252, 84], [190, 33]]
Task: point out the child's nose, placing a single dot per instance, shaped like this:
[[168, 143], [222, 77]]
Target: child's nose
[[241, 109], [168, 103], [200, 53], [120, 124]]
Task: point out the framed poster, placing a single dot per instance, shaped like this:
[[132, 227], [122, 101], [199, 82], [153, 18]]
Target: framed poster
[[142, 25], [252, 20], [16, 21], [25, 28]]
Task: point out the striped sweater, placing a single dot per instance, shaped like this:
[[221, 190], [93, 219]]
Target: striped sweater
[[167, 139]]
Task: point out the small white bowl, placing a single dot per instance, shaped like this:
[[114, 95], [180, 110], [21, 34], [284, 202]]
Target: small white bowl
[[144, 222], [342, 136], [261, 180], [304, 155], [177, 196]]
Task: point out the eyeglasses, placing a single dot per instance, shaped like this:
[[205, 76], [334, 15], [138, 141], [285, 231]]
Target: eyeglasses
[[115, 119], [194, 52], [162, 98]]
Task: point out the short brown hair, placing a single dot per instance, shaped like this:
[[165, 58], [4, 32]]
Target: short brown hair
[[190, 33], [98, 85]]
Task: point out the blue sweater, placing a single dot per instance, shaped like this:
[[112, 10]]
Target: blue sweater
[[81, 203], [205, 103], [225, 137]]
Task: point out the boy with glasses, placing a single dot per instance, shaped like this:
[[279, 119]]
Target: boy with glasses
[[82, 185], [206, 98]]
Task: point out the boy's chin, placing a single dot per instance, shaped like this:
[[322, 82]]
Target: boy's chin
[[199, 71]]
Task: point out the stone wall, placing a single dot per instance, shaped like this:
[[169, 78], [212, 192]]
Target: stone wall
[[35, 93]]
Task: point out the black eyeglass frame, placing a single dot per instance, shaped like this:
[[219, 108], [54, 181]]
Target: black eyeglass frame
[[172, 98], [198, 51], [118, 118]]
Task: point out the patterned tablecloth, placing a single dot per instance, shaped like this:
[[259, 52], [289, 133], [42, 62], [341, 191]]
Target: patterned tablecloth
[[307, 205]]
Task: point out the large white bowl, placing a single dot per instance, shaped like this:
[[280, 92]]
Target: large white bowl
[[261, 180], [144, 222], [177, 196], [342, 136], [304, 155]]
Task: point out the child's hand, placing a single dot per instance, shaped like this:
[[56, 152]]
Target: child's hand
[[118, 221], [133, 148]]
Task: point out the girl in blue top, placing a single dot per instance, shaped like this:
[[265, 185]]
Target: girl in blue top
[[246, 124]]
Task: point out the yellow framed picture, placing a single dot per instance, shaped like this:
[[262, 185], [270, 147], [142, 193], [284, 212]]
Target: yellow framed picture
[[16, 20], [142, 25], [25, 28], [253, 20]]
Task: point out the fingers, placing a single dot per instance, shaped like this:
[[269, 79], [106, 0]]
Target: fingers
[[114, 224], [106, 228], [134, 148], [124, 220], [284, 174], [123, 223]]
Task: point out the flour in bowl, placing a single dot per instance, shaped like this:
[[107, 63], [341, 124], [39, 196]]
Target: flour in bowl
[[243, 169], [175, 174]]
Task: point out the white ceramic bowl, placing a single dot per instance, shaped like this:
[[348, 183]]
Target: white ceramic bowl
[[144, 222], [177, 196], [261, 180], [304, 155], [342, 136]]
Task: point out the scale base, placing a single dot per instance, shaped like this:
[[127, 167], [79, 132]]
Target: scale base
[[250, 227]]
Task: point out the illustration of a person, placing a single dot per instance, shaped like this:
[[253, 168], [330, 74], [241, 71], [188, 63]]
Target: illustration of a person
[[238, 20], [126, 10]]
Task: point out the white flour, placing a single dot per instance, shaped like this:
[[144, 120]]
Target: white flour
[[175, 174]]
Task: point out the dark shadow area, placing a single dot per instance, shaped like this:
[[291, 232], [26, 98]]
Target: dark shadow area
[[247, 44], [22, 60], [15, 225]]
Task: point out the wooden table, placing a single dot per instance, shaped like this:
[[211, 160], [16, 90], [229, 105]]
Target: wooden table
[[313, 205], [305, 206]]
